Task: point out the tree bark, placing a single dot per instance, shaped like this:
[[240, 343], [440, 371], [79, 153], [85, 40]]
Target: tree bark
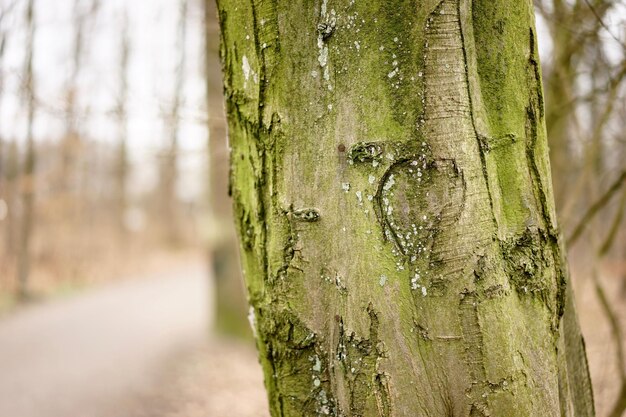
[[393, 198]]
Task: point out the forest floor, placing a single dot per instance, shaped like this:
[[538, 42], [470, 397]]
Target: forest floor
[[141, 348]]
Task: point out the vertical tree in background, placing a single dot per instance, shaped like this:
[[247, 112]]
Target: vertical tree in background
[[230, 299], [8, 151], [121, 160], [27, 185], [83, 10], [6, 164], [393, 199], [579, 59], [3, 42], [584, 112], [169, 168]]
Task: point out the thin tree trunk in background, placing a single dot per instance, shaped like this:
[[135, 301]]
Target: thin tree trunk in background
[[230, 300], [27, 185], [70, 146], [561, 103], [3, 41], [169, 169], [393, 199], [11, 175], [4, 10], [8, 154], [575, 28], [121, 161]]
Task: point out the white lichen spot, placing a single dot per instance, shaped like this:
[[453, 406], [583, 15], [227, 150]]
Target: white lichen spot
[[393, 73], [245, 66], [359, 197], [314, 74], [424, 292], [252, 320], [371, 179], [316, 382], [345, 186], [357, 45], [370, 197], [330, 20], [317, 366], [389, 183], [327, 77], [395, 39], [330, 107], [323, 56], [382, 280]]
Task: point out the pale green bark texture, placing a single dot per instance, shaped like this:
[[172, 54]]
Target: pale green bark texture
[[392, 192]]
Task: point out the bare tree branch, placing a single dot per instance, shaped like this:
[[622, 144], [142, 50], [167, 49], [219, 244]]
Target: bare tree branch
[[595, 13], [595, 208]]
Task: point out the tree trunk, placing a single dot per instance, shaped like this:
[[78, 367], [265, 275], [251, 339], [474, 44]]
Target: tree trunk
[[230, 301], [393, 198], [169, 169], [71, 145], [27, 183], [3, 42], [121, 160]]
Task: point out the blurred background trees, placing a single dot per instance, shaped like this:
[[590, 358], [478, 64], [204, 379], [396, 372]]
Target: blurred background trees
[[584, 62], [105, 164], [103, 145]]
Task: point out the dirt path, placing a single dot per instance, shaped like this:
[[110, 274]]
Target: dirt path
[[88, 355]]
